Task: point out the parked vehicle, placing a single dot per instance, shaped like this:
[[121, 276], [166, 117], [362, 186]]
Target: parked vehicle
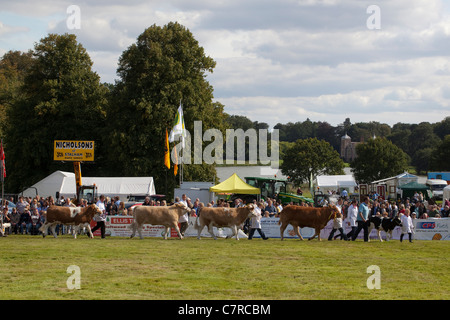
[[437, 187]]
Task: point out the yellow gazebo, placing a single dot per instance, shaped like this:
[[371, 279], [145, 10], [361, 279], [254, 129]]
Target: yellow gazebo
[[234, 184]]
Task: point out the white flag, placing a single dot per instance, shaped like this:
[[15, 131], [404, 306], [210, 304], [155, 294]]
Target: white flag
[[178, 127]]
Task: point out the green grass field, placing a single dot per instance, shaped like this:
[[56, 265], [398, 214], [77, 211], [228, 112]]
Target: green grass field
[[117, 268]]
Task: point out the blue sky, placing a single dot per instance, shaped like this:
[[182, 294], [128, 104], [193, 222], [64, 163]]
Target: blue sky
[[277, 61]]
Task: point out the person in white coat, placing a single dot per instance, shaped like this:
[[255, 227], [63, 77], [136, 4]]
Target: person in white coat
[[337, 225], [352, 214], [100, 219], [407, 225], [255, 222], [184, 219]]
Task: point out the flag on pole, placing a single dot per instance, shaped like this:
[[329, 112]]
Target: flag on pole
[[178, 127], [175, 166], [166, 152], [2, 158]]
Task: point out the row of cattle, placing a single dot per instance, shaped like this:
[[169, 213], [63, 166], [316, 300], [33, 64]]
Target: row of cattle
[[234, 218]]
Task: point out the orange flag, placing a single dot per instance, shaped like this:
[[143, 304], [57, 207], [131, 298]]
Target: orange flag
[[175, 166], [166, 152]]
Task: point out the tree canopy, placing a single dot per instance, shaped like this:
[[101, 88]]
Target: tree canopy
[[61, 98], [441, 158], [14, 66], [308, 158], [165, 67], [377, 159]]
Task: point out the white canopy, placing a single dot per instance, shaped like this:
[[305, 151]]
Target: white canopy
[[401, 179], [64, 183], [336, 181]]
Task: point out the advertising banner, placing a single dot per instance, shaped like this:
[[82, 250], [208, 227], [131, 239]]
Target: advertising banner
[[432, 229], [119, 226], [68, 150]]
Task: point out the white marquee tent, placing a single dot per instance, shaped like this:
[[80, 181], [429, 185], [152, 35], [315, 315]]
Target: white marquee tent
[[336, 182], [64, 183]]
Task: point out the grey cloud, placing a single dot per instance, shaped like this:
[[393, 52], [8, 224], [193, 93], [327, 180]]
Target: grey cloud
[[282, 15], [300, 58]]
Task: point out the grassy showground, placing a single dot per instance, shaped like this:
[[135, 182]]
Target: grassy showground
[[32, 267]]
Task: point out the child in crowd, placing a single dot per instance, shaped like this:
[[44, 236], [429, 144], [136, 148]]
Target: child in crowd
[[337, 225], [407, 225]]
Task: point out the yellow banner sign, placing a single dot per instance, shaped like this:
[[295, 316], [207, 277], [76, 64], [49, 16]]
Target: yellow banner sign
[[68, 150]]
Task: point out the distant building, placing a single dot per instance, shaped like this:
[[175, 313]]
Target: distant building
[[348, 148]]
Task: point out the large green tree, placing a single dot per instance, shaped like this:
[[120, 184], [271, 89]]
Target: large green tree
[[378, 159], [166, 65], [441, 155], [62, 98], [441, 129], [14, 66], [308, 158]]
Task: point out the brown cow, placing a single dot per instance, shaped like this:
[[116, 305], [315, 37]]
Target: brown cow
[[69, 215], [300, 217], [223, 217], [165, 216]]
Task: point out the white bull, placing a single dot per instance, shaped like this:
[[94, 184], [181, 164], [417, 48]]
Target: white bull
[[165, 216], [223, 217]]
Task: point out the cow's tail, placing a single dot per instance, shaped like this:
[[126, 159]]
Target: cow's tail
[[133, 225], [42, 227], [279, 220], [196, 224]]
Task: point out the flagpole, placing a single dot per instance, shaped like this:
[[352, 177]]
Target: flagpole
[[182, 149], [182, 167], [177, 130]]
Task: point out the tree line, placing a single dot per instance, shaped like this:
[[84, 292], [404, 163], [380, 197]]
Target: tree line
[[422, 143], [386, 151]]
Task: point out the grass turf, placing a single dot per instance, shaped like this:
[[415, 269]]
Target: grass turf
[[120, 269]]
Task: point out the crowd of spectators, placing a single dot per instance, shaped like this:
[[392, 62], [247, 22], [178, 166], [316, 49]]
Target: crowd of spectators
[[418, 205], [28, 214]]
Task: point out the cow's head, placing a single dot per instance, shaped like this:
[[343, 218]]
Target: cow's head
[[396, 222], [96, 210], [251, 208], [183, 209], [334, 212]]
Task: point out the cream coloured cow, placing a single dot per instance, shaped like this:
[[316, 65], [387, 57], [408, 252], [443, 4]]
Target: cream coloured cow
[[158, 215], [223, 217]]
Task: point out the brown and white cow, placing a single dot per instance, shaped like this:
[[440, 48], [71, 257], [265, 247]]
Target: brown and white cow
[[76, 216], [158, 215], [300, 217], [223, 217]]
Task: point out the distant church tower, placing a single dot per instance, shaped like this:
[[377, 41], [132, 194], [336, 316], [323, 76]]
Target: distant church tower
[[348, 148]]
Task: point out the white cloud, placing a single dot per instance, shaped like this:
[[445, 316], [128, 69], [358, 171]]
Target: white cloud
[[279, 61], [9, 30]]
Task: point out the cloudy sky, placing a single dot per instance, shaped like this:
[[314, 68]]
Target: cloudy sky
[[277, 61]]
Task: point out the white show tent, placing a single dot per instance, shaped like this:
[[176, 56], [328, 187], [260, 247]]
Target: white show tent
[[336, 182], [64, 183]]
